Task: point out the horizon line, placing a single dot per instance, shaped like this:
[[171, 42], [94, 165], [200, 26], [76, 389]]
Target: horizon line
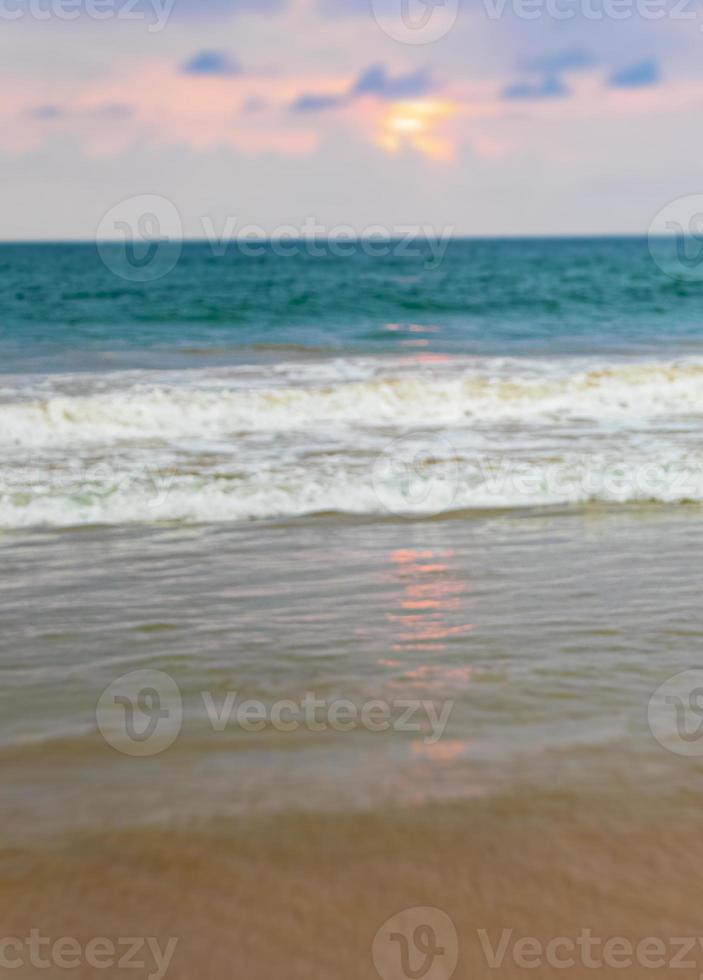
[[552, 236]]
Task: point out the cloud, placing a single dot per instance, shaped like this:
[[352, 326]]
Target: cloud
[[45, 112], [176, 110], [211, 63], [312, 102], [550, 67], [108, 110], [550, 87], [376, 82], [636, 76]]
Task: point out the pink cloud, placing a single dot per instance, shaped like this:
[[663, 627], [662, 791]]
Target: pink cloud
[[249, 113]]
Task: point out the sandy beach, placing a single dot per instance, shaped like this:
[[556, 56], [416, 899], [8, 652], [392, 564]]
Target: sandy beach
[[302, 896]]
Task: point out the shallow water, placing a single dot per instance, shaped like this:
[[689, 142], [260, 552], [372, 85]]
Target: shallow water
[[543, 636]]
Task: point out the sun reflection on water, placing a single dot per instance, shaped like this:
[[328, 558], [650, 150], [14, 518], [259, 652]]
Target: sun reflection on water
[[432, 602]]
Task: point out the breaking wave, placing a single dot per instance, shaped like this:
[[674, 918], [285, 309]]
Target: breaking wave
[[362, 438]]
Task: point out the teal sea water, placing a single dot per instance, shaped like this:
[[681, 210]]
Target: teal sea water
[[63, 309], [476, 482]]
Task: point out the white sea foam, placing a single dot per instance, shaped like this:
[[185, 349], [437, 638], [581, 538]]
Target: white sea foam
[[145, 412], [358, 436]]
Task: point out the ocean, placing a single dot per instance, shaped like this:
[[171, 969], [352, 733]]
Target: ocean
[[457, 499], [237, 388]]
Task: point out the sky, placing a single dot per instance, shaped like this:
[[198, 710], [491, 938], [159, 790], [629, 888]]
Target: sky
[[475, 117]]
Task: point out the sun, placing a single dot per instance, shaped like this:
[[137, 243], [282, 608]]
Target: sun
[[414, 124]]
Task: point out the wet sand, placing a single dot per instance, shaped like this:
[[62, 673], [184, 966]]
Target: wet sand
[[302, 896]]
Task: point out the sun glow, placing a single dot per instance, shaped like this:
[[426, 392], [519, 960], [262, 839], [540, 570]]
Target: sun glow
[[414, 124]]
